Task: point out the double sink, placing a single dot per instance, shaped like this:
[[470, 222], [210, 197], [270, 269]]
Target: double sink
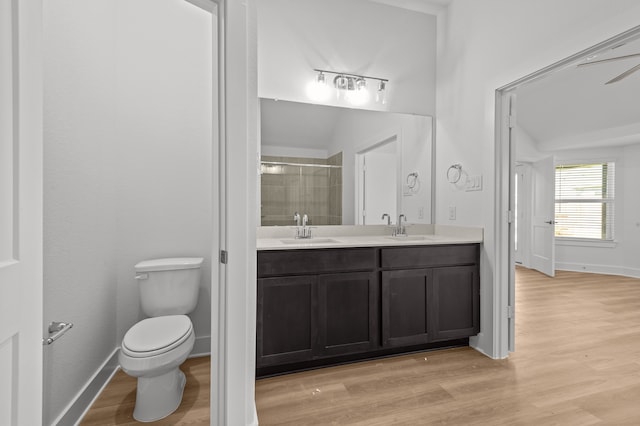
[[322, 240]]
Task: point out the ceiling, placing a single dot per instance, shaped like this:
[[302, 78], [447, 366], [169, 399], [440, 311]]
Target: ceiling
[[294, 124], [573, 108], [432, 7]]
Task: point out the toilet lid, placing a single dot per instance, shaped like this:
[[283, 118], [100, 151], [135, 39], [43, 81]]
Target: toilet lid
[[154, 336]]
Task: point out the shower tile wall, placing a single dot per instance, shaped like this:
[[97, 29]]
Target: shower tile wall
[[316, 191]]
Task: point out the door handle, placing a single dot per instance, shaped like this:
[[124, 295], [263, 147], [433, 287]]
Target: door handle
[[550, 222]]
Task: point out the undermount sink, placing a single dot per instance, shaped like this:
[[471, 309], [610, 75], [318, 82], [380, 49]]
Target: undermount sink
[[308, 241], [411, 237]]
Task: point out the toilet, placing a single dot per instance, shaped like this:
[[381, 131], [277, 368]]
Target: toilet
[[153, 349]]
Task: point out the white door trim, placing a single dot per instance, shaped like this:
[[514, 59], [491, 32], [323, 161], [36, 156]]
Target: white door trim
[[504, 192], [21, 310]]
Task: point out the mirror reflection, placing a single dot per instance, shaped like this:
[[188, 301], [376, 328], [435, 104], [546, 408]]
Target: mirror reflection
[[341, 166]]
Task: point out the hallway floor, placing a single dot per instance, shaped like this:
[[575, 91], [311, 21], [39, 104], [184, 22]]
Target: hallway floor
[[577, 362]]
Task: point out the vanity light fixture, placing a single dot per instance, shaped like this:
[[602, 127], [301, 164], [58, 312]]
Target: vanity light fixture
[[350, 87]]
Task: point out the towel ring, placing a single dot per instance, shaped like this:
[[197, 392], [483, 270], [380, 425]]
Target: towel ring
[[454, 172], [412, 180]]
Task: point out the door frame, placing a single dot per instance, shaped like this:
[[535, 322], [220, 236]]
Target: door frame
[[504, 296], [21, 308]]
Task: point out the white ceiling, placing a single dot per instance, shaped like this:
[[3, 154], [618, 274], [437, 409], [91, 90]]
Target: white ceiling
[[432, 7], [573, 108], [294, 124]]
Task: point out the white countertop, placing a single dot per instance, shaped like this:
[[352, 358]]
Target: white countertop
[[283, 237]]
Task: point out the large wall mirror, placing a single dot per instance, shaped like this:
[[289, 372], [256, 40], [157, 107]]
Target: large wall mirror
[[342, 166]]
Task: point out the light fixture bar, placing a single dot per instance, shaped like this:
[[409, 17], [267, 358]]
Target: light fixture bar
[[348, 74]]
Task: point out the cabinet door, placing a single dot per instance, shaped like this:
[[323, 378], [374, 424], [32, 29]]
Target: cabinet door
[[286, 320], [347, 313], [455, 297], [404, 307]]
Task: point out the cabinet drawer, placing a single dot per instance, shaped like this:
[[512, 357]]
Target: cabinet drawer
[[429, 256], [296, 262]]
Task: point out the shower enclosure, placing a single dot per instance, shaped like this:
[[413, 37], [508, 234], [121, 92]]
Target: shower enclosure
[[310, 186]]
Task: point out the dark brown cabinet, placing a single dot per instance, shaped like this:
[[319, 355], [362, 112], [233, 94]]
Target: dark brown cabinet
[[437, 299], [287, 319], [405, 307], [455, 293], [347, 313], [317, 315], [321, 306]]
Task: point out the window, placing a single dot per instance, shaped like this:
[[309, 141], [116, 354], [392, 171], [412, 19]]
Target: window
[[585, 201]]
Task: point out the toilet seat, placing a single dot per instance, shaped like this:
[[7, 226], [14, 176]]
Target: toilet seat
[[157, 335]]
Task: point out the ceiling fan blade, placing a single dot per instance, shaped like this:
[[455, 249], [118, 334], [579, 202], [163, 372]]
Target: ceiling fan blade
[[625, 74], [617, 58]]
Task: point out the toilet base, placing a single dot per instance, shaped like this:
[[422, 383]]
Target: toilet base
[[159, 396]]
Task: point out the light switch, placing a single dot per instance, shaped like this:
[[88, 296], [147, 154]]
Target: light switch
[[452, 212], [474, 183]]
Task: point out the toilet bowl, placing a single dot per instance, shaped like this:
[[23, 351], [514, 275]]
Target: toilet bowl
[[152, 350]]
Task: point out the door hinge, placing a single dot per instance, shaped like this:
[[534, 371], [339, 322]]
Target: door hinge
[[224, 256], [510, 216], [512, 121], [510, 312]]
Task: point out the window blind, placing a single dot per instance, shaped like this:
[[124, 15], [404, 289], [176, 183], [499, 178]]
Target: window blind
[[585, 196]]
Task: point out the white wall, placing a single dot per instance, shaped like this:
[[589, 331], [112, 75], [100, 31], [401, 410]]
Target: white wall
[[127, 169], [481, 47], [358, 129], [358, 36], [163, 120], [79, 194]]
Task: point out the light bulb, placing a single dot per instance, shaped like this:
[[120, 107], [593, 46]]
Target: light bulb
[[359, 95], [341, 83], [381, 94], [318, 90]]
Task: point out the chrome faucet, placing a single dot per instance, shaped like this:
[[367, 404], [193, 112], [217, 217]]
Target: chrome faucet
[[303, 231], [399, 230], [296, 217], [388, 218]]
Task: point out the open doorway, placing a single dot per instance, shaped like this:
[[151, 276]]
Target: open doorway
[[599, 127]]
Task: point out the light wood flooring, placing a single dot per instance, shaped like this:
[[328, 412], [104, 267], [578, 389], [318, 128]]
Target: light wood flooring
[[115, 404], [577, 362]]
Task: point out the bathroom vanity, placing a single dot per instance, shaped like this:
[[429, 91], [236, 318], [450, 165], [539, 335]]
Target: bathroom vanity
[[339, 299]]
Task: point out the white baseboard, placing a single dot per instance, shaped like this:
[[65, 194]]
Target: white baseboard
[[202, 347], [255, 415], [79, 406], [599, 269]]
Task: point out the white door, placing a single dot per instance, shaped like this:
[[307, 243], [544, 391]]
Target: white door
[[378, 183], [543, 224], [380, 186], [20, 212]]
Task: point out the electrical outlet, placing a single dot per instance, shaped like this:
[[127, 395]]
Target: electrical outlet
[[452, 212]]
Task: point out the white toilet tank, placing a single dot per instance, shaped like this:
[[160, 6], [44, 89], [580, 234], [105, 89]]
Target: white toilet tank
[[169, 286]]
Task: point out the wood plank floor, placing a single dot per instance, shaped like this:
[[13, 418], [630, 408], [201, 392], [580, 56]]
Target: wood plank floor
[[115, 404], [577, 362]]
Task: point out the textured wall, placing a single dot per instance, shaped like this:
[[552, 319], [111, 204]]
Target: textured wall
[[79, 194], [127, 169]]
